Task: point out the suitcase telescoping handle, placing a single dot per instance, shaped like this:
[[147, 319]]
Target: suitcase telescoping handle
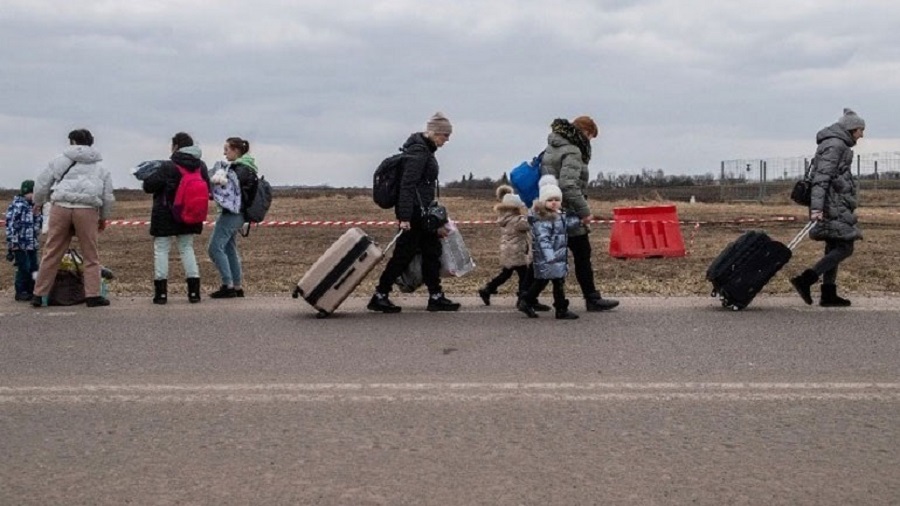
[[800, 235], [393, 241]]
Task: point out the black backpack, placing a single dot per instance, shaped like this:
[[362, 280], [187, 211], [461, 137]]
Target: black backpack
[[259, 206], [386, 181]]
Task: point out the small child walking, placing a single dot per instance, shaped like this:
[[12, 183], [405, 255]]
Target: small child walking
[[23, 229], [549, 229], [515, 244]]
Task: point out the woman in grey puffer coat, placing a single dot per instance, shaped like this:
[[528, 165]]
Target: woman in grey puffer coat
[[833, 207]]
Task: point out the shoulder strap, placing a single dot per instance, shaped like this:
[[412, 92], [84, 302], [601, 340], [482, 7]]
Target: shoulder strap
[[66, 171]]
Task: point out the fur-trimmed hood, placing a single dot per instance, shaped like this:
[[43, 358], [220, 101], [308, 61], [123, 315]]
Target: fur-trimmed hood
[[541, 211]]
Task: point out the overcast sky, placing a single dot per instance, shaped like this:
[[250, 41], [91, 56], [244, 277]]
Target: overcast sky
[[324, 90]]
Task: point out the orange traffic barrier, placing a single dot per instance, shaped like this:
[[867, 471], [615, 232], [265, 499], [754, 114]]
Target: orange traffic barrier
[[646, 232]]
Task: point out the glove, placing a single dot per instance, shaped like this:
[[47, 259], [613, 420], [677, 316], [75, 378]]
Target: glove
[[10, 257]]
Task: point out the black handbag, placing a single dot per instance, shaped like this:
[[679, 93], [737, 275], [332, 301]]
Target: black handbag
[[434, 215], [801, 193]]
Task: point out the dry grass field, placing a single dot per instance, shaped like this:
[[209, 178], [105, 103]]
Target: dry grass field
[[276, 257]]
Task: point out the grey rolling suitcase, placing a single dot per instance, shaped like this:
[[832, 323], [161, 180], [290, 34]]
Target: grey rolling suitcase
[[343, 266]]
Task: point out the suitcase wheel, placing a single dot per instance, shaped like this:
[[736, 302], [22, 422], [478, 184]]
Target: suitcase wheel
[[714, 294], [322, 314], [296, 292]]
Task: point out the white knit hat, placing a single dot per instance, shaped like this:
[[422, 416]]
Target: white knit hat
[[511, 199], [548, 188]]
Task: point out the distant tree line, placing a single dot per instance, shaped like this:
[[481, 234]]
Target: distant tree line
[[646, 179]]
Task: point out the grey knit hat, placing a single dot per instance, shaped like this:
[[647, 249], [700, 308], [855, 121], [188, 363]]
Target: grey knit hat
[[439, 124], [850, 121]]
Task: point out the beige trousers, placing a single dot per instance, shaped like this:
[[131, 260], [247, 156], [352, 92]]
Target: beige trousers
[[66, 223]]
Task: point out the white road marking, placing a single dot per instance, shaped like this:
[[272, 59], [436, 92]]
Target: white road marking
[[448, 392]]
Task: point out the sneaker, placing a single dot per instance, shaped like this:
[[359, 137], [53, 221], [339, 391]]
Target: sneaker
[[224, 292], [381, 303], [40, 301], [239, 292], [597, 303], [438, 302], [24, 297], [96, 302], [485, 295], [526, 308]]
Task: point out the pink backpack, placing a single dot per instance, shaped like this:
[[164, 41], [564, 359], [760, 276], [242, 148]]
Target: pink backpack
[[191, 198]]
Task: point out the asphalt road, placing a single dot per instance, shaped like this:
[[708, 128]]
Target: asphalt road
[[255, 401]]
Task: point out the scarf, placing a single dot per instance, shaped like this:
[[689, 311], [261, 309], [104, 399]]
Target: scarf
[[574, 135]]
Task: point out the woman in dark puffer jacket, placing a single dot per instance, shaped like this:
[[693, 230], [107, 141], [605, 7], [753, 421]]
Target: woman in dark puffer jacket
[[833, 207], [163, 184]]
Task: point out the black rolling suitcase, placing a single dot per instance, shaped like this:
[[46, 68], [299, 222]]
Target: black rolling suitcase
[[745, 266]]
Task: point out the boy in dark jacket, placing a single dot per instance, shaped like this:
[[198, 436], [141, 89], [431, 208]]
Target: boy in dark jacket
[[23, 228]]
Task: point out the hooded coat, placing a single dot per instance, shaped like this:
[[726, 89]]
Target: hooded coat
[[834, 190], [76, 179], [515, 241], [419, 179], [568, 162], [550, 230], [163, 184]]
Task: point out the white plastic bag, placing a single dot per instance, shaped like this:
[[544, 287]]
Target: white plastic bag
[[455, 257]]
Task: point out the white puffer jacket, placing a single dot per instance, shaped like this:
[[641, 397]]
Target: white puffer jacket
[[86, 184]]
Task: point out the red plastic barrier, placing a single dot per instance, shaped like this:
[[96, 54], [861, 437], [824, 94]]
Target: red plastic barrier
[[646, 232]]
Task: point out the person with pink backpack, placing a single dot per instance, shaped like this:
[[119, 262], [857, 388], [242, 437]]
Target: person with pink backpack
[[181, 193]]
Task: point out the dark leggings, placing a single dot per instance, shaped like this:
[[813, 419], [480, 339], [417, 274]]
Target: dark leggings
[[524, 273], [415, 240], [580, 246], [559, 291], [836, 251]]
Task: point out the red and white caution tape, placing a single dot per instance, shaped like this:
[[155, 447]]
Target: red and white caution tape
[[384, 223]]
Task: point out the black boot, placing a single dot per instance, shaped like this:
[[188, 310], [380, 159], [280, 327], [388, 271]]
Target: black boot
[[562, 311], [193, 289], [381, 303], [485, 293], [161, 291], [830, 297], [438, 302], [526, 307], [595, 302], [803, 283]]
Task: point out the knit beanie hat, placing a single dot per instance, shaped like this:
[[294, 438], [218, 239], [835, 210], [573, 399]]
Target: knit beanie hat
[[27, 187], [850, 121], [439, 124], [548, 189]]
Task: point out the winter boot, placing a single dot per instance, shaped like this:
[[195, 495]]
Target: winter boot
[[381, 303], [563, 313], [193, 289], [803, 283], [830, 297], [527, 308], [485, 293], [595, 302], [161, 291], [438, 302]]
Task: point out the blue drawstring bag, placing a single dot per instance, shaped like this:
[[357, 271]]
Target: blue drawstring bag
[[524, 179]]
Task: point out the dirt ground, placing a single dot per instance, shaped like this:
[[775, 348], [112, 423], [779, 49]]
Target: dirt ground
[[275, 257]]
